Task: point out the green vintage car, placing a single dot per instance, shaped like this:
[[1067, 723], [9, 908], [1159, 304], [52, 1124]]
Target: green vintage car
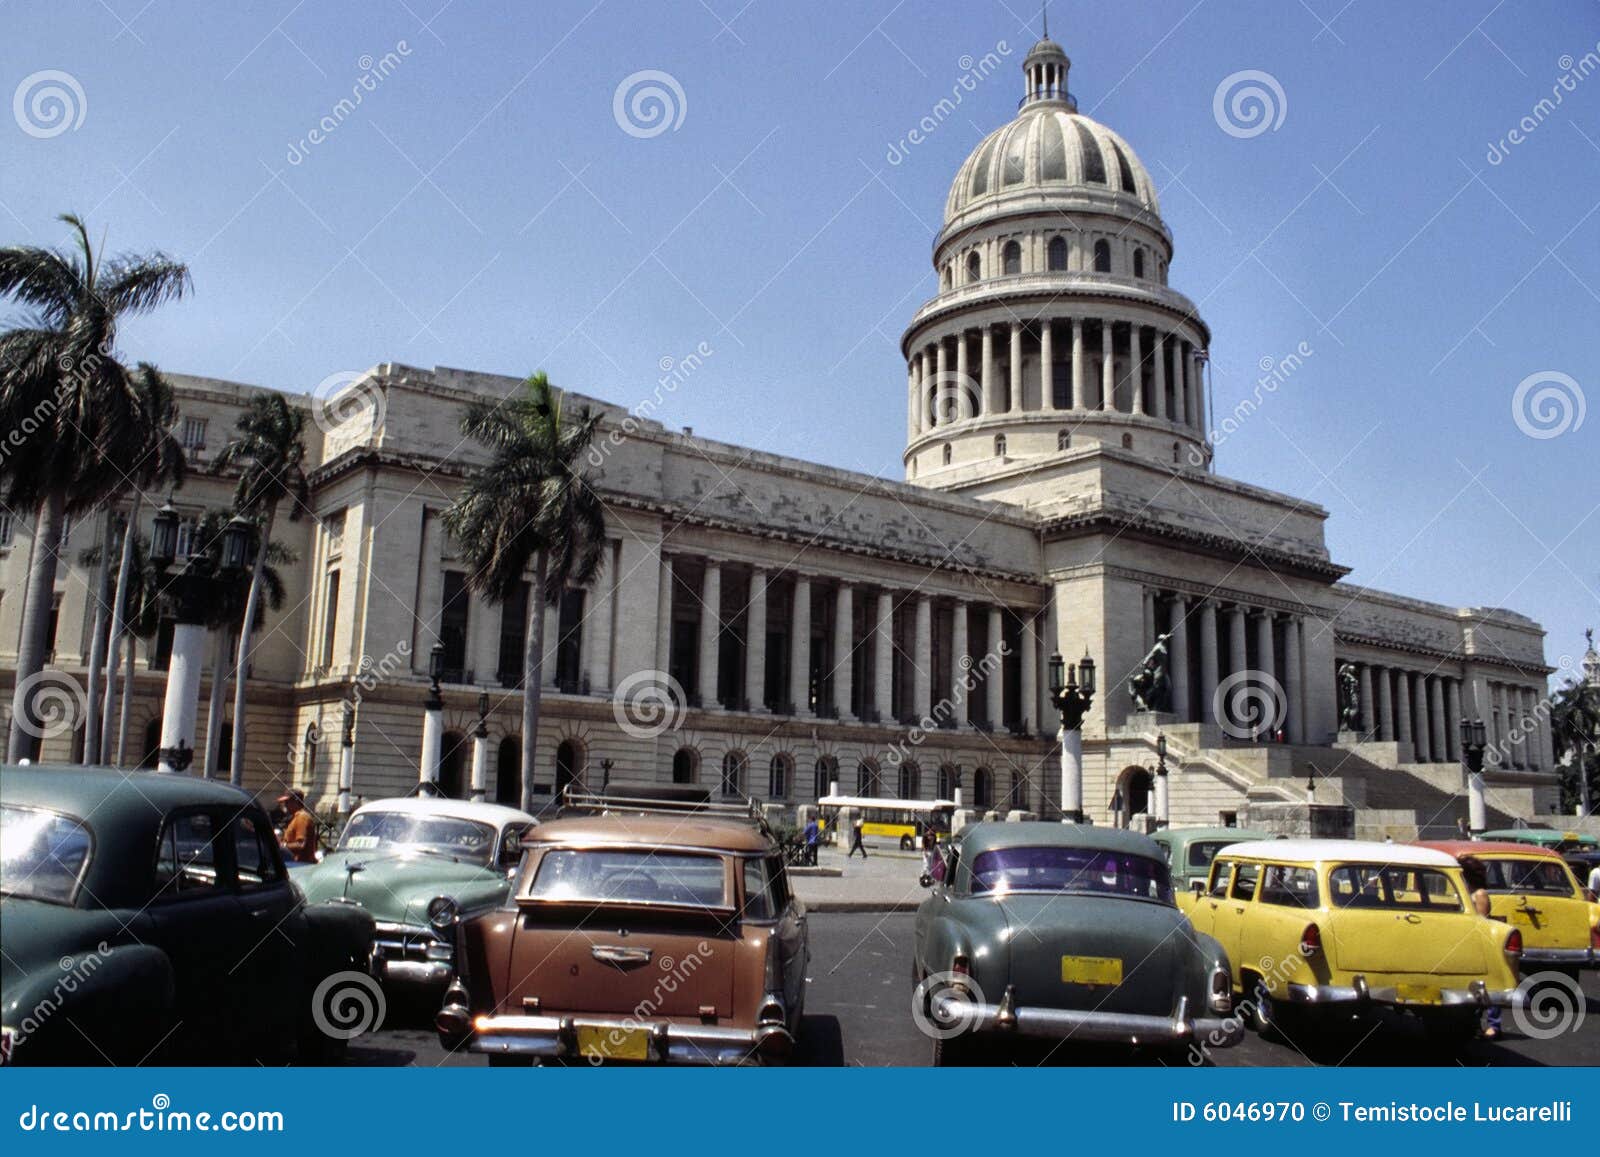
[[148, 916], [1190, 850], [1065, 932], [417, 865]]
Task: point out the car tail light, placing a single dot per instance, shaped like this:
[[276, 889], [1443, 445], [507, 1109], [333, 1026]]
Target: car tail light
[[1222, 991], [1514, 943], [1594, 939], [960, 968], [1310, 940]]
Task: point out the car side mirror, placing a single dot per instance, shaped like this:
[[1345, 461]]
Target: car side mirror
[[925, 880]]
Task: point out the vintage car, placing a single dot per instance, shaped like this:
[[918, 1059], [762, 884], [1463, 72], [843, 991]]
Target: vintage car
[[1350, 925], [416, 864], [640, 930], [1191, 850], [1562, 842], [145, 912], [1534, 891], [1064, 932]]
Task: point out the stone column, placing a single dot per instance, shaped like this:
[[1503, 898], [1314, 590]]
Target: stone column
[[843, 648], [1180, 407], [1238, 654], [883, 658], [664, 617], [1364, 693], [755, 644], [1293, 681], [1266, 656], [962, 387], [986, 369], [1015, 402], [1437, 743], [994, 680], [941, 384], [1079, 402], [1179, 658], [1047, 365], [1386, 731], [1402, 705], [552, 638], [1149, 639], [925, 401], [1136, 366], [710, 632], [1452, 720], [958, 669], [1208, 660], [1419, 718], [800, 647], [1028, 641], [1158, 363], [922, 659], [1108, 366], [1197, 397], [913, 407]]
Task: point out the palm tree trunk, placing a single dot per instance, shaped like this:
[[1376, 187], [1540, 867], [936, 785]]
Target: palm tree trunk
[[40, 595], [97, 644], [127, 706], [533, 679], [219, 681], [119, 627], [242, 669]]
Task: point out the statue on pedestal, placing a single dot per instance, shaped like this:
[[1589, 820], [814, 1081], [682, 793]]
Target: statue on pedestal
[[1349, 698], [1149, 686]]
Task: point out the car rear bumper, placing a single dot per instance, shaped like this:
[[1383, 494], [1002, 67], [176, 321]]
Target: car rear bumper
[[1476, 994], [1564, 957], [1006, 1018], [669, 1043]]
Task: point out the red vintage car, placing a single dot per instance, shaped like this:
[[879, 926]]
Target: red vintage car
[[638, 930]]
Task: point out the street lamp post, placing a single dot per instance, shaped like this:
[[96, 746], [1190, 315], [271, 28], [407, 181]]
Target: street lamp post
[[1072, 692], [433, 718], [1163, 815], [480, 750], [605, 773], [347, 759], [1474, 739], [188, 592]]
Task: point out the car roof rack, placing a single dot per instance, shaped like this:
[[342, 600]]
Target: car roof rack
[[660, 802]]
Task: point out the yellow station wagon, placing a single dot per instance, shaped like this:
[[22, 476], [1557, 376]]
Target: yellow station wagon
[[1345, 924]]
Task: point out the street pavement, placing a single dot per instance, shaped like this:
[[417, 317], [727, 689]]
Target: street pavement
[[858, 1012]]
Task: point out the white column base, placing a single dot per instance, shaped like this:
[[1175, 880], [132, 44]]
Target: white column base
[[183, 689]]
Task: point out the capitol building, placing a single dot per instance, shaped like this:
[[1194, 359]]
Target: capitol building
[[819, 626]]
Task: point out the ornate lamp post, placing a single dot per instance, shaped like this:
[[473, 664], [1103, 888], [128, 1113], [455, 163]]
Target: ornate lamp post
[[1163, 816], [188, 591], [433, 718], [1474, 739], [347, 759], [605, 773], [480, 750], [1072, 692]]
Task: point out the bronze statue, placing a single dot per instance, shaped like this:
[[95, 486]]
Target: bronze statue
[[1149, 686], [1349, 698]]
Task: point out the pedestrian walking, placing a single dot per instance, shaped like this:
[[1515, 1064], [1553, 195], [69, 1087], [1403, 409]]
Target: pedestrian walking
[[299, 838], [1594, 879], [813, 833], [855, 840], [1478, 888]]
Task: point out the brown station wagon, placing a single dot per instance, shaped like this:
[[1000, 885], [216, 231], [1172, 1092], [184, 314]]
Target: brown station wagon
[[637, 930]]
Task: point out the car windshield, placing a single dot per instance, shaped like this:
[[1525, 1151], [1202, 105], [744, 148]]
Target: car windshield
[[43, 854], [1518, 875], [1202, 852], [408, 832], [1006, 870], [621, 876]]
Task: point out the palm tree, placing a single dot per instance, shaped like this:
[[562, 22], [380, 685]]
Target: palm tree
[[271, 451], [94, 427], [532, 504], [1575, 733]]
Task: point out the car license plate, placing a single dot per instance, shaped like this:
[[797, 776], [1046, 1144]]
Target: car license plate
[[1091, 970], [1418, 993], [613, 1044]]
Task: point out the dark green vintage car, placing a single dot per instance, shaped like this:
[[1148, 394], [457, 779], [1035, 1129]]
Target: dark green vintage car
[[1190, 850], [146, 915], [418, 864], [1064, 932]]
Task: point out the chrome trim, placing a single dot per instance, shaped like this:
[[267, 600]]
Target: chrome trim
[[1089, 1025], [1361, 992], [690, 1044], [1583, 957]]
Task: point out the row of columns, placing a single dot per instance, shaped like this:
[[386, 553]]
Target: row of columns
[[942, 388], [1424, 709]]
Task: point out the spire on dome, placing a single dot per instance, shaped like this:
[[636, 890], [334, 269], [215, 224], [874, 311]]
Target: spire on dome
[[1045, 68]]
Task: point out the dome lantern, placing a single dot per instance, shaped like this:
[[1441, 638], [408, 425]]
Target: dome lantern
[[1045, 68]]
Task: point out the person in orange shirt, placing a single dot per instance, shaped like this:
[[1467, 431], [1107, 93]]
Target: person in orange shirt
[[299, 837]]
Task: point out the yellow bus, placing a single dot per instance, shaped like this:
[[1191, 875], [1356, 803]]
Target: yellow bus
[[902, 819]]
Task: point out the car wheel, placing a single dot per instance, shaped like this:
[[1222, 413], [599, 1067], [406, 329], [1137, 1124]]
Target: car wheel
[[905, 843]]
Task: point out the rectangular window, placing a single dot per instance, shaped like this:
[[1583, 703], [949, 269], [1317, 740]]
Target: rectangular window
[[186, 858], [1244, 881], [253, 854], [453, 615], [1221, 873], [758, 899], [330, 618], [194, 433], [188, 532], [569, 645], [1290, 887], [513, 636], [1385, 886]]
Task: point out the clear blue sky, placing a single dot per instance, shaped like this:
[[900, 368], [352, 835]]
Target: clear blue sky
[[482, 208]]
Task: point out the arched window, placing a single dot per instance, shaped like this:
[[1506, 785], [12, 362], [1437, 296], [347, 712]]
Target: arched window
[[1102, 256], [983, 789], [1011, 258], [947, 455], [910, 780], [569, 765], [685, 765], [1127, 441], [867, 782], [733, 767], [947, 276], [453, 764], [1057, 253], [999, 445], [974, 267], [779, 775], [827, 771], [1063, 439], [308, 768], [949, 780], [508, 772], [1138, 262]]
